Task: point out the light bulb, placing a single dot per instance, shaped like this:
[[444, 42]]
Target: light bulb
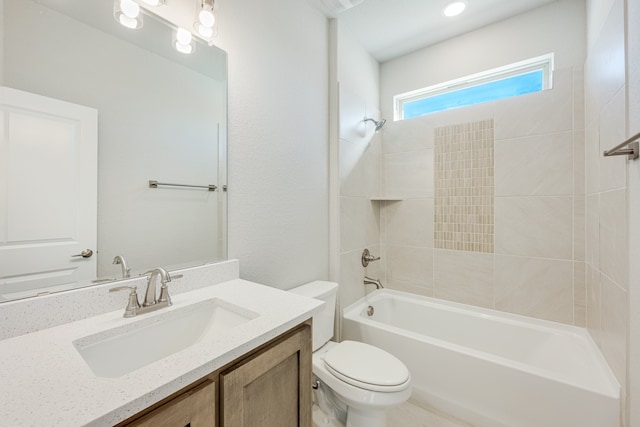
[[130, 8], [205, 32], [183, 36], [454, 9], [128, 22], [183, 48], [206, 17], [127, 13]]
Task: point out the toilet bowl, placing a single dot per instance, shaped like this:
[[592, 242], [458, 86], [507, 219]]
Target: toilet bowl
[[362, 381]]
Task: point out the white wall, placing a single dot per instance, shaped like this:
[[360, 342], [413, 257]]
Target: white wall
[[358, 71], [558, 27], [278, 139]]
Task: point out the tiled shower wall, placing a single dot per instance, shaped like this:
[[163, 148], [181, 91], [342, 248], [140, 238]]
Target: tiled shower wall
[[464, 187], [536, 265], [607, 250], [360, 176]]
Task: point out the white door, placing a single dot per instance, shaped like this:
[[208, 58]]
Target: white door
[[48, 193]]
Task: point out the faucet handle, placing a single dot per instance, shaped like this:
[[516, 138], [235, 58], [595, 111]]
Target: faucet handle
[[164, 289], [367, 258], [133, 305]]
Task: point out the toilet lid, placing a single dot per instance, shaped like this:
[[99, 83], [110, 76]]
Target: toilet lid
[[366, 366]]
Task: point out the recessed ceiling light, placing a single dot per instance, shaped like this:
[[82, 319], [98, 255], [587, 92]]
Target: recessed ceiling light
[[454, 8]]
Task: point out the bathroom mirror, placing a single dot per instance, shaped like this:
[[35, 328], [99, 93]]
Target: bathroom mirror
[[159, 115]]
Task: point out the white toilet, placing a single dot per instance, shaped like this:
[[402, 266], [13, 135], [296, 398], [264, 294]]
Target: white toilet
[[360, 381]]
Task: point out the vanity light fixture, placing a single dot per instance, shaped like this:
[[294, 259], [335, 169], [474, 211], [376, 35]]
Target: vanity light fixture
[[127, 13], [454, 8], [205, 19], [183, 41], [154, 2]]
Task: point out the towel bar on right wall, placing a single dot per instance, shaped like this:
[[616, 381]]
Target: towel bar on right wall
[[632, 150]]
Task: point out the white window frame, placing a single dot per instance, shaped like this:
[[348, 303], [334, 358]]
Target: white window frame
[[543, 62]]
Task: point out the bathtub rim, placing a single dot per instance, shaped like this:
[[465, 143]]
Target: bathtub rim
[[355, 311]]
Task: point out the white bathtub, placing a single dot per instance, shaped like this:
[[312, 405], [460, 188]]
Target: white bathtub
[[490, 368]]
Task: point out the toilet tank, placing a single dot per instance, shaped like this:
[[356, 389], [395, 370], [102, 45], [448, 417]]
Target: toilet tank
[[322, 321]]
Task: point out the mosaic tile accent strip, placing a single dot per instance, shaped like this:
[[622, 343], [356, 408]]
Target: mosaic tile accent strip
[[464, 187]]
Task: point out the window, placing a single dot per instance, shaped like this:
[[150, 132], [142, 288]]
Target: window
[[533, 75]]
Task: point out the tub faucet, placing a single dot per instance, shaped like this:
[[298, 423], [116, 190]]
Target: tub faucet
[[370, 281], [126, 271]]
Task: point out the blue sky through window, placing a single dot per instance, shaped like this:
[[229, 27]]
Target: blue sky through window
[[491, 91]]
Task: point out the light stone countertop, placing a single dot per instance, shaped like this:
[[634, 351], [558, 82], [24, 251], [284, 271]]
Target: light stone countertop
[[44, 381]]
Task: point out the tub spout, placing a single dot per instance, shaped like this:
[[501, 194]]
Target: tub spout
[[370, 281]]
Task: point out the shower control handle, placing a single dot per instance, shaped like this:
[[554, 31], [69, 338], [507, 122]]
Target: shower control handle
[[367, 258]]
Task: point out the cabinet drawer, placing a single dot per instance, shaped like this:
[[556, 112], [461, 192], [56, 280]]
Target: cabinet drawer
[[194, 408]]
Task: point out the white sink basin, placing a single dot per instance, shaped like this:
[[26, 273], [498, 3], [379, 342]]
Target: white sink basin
[[118, 351]]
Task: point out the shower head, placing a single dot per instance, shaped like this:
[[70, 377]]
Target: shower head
[[378, 123]]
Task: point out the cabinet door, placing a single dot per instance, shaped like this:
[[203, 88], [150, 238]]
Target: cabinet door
[[271, 389], [194, 408]]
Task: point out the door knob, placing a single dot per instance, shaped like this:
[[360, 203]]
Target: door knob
[[87, 253]]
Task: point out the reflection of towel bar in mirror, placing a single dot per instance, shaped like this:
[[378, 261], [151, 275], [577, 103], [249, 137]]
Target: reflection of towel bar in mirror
[[154, 184]]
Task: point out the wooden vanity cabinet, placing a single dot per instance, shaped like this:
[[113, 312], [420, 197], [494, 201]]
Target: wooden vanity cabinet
[[268, 387], [193, 408]]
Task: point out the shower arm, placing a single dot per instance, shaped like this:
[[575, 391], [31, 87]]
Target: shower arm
[[377, 123]]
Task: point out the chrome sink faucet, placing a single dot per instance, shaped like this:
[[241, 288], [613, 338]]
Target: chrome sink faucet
[[150, 295], [150, 303], [126, 271]]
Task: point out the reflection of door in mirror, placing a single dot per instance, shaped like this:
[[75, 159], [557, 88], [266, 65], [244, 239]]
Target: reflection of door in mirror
[[48, 193]]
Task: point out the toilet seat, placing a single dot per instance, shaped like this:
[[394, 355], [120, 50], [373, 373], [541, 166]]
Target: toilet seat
[[368, 367]]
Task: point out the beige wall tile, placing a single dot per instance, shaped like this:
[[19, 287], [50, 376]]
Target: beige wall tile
[[579, 294], [579, 162], [409, 174], [472, 113], [613, 170], [614, 328], [592, 158], [613, 237], [535, 226], [410, 223], [408, 135], [592, 109], [535, 287], [540, 165], [593, 299], [359, 223], [579, 228], [578, 98], [464, 187], [592, 230], [360, 174], [465, 277], [609, 56], [352, 275], [537, 113], [410, 266]]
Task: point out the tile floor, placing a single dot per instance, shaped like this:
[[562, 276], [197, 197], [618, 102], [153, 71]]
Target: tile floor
[[411, 414]]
